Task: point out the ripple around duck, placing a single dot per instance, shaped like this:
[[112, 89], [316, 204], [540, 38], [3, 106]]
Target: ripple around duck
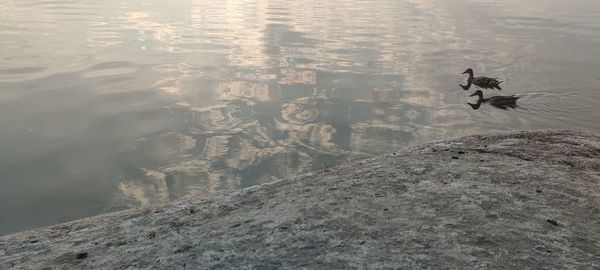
[[551, 109]]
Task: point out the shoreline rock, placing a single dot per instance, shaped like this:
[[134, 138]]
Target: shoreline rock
[[516, 200]]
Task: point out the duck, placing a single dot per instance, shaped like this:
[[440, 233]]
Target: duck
[[483, 82], [502, 102]]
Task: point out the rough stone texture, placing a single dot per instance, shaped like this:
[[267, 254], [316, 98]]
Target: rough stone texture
[[511, 201]]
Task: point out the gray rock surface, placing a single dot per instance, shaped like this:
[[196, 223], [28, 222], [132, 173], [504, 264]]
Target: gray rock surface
[[510, 201]]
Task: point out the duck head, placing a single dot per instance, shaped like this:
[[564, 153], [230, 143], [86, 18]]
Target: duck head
[[468, 71]]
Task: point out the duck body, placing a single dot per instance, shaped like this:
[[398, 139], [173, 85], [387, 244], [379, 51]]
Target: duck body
[[483, 82], [502, 102], [487, 83]]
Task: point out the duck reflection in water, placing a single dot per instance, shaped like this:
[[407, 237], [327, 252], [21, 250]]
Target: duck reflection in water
[[466, 87], [483, 82], [501, 102]]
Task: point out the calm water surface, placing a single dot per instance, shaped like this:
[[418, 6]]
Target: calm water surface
[[107, 105]]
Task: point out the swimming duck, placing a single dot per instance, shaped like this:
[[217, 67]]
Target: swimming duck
[[502, 102], [483, 82]]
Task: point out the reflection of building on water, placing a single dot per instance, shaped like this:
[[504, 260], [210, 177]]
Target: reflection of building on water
[[391, 95], [314, 136], [227, 146], [191, 178], [238, 90], [273, 109], [383, 95], [225, 164], [229, 117], [293, 76], [303, 110], [303, 124]]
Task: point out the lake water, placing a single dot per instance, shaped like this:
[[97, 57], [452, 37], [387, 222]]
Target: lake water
[[107, 105]]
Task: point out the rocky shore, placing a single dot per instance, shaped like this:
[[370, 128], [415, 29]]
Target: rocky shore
[[523, 200]]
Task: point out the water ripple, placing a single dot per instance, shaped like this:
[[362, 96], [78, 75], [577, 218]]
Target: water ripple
[[148, 101]]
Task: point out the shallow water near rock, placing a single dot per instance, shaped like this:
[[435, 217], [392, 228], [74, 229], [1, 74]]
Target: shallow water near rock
[[115, 104]]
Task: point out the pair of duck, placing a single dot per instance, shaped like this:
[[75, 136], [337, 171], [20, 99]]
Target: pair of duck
[[502, 102]]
